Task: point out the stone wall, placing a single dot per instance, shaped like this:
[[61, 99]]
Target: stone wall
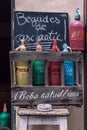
[[75, 120]]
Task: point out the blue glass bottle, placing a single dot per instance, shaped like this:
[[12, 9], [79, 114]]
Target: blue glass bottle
[[69, 73]]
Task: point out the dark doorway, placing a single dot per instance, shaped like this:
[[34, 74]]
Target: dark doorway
[[5, 45]]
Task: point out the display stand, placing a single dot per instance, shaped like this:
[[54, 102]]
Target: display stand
[[27, 117]]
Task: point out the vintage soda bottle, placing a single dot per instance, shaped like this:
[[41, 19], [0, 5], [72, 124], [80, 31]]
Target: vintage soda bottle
[[4, 118], [69, 76], [54, 68], [77, 33], [22, 68], [38, 67]]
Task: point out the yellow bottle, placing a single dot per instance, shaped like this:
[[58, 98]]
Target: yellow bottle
[[22, 68]]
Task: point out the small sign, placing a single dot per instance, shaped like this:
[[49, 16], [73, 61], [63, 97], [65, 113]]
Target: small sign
[[52, 95]]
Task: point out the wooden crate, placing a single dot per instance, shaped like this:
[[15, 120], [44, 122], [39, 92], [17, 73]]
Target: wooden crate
[[56, 95]]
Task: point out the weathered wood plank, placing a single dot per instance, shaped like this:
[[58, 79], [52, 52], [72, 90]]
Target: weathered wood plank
[[15, 56], [22, 124], [34, 117], [30, 96], [26, 111]]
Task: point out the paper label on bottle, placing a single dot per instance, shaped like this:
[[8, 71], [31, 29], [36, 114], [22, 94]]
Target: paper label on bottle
[[22, 75], [77, 34]]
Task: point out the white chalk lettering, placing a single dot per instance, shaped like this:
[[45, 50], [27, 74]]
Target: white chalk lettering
[[33, 21], [55, 20], [22, 19], [53, 94], [41, 27], [50, 36], [73, 94], [43, 37], [65, 92], [26, 37], [16, 96], [38, 22], [65, 30], [23, 95]]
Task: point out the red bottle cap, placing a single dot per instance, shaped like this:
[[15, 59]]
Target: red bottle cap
[[39, 47], [55, 46]]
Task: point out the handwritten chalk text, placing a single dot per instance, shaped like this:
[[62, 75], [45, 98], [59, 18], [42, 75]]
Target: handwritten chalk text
[[39, 23], [24, 95], [43, 37]]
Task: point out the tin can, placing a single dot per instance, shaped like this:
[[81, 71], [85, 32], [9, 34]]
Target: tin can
[[54, 73], [69, 76], [22, 73], [38, 74]]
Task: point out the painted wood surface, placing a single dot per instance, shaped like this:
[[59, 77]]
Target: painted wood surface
[[31, 96]]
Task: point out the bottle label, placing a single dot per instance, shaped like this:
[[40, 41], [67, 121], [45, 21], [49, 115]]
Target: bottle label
[[77, 34], [38, 75], [22, 69], [22, 75], [69, 73]]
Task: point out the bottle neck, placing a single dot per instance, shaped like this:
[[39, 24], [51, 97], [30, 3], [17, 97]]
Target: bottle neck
[[4, 108]]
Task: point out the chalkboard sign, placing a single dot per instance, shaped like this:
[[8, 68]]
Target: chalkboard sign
[[39, 25], [54, 95]]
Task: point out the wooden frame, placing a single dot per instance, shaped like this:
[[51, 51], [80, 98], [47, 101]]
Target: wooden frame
[[65, 99], [85, 68], [29, 117]]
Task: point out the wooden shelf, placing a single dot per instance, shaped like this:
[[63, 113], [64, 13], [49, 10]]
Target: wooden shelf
[[29, 55], [56, 95]]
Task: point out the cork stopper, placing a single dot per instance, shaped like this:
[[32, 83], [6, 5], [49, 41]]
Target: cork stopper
[[22, 46], [39, 47], [4, 107], [66, 48], [55, 46]]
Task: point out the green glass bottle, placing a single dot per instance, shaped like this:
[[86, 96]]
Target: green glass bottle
[[38, 73], [38, 67], [4, 118]]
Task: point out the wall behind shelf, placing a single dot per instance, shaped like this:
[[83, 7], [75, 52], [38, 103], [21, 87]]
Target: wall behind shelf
[[76, 119], [50, 6]]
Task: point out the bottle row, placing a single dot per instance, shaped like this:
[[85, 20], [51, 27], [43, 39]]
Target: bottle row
[[38, 68], [38, 73]]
